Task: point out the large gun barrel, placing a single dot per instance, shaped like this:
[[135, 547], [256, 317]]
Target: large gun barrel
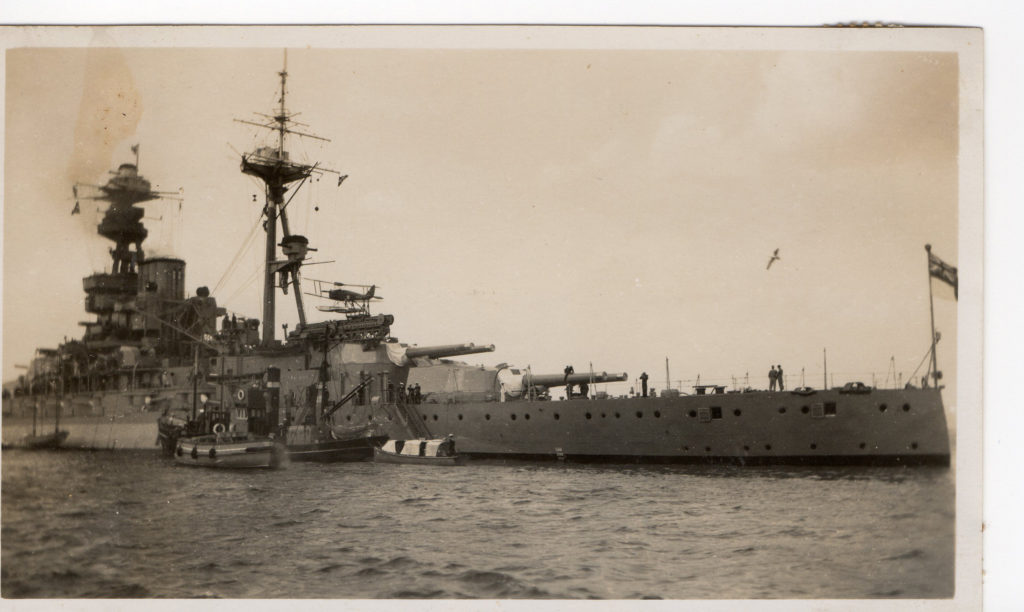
[[554, 380], [446, 350]]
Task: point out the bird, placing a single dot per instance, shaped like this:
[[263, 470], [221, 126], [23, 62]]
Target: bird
[[775, 256]]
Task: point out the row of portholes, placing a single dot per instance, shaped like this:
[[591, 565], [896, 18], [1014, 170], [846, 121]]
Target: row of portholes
[[814, 446], [557, 416], [806, 409], [716, 415], [640, 414], [884, 407]]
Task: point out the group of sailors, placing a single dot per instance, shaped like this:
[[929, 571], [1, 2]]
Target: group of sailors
[[775, 379], [410, 395]]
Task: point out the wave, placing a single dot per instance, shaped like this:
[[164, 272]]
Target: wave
[[914, 553], [416, 594]]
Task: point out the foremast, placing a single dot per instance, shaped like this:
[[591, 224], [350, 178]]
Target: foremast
[[273, 166]]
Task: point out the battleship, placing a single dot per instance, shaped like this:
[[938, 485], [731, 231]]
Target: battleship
[[155, 354]]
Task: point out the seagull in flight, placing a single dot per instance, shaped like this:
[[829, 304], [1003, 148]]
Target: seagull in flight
[[775, 256]]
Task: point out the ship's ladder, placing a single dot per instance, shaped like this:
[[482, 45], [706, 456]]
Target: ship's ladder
[[413, 418]]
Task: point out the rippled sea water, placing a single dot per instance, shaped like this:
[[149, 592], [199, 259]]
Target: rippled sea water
[[100, 524]]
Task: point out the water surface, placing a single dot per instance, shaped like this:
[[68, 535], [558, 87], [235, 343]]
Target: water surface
[[132, 524]]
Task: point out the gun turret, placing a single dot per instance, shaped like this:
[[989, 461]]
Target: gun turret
[[446, 350], [554, 380]]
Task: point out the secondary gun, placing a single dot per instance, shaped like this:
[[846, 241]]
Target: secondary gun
[[554, 380]]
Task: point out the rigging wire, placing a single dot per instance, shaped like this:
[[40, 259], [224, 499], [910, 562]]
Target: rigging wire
[[238, 257], [246, 245], [245, 285], [927, 354]]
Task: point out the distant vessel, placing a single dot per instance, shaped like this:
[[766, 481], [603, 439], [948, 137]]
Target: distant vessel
[[327, 380]]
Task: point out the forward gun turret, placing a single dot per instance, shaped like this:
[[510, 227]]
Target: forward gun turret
[[446, 350]]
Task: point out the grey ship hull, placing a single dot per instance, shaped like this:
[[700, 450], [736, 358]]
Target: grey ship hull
[[828, 427], [901, 427]]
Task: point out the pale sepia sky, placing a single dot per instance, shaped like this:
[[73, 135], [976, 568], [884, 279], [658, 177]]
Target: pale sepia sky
[[569, 206]]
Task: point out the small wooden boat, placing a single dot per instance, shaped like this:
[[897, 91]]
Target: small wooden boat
[[230, 450], [422, 452], [45, 441]]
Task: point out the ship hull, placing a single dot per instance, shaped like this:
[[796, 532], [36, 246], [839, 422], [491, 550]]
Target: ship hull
[[104, 420], [125, 432], [330, 451], [882, 427]]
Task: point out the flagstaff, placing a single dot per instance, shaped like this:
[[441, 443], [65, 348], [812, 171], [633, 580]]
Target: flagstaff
[[931, 308], [948, 274]]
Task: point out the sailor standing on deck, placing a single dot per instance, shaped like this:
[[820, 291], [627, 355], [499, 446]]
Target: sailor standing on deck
[[773, 379], [782, 382]]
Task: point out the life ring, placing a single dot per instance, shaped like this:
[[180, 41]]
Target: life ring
[[218, 428], [240, 395]]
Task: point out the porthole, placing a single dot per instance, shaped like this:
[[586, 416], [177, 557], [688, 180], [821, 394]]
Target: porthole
[[603, 415], [767, 447], [460, 417], [707, 449], [883, 407], [348, 417], [557, 417], [589, 416], [686, 448], [782, 410], [639, 414], [863, 445], [435, 417], [913, 445], [487, 417], [906, 407], [513, 415], [617, 415], [746, 448], [657, 414], [424, 417], [737, 412], [369, 417], [526, 416], [814, 446], [804, 409], [692, 413]]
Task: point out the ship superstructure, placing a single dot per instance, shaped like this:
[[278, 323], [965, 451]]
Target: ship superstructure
[[140, 343]]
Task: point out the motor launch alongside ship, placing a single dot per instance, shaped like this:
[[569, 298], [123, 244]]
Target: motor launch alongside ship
[[154, 353]]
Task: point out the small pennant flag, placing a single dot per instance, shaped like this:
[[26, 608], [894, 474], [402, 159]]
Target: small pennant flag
[[943, 271], [341, 179], [76, 210], [135, 149]]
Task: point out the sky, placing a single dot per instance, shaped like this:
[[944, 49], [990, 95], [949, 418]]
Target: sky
[[614, 207]]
